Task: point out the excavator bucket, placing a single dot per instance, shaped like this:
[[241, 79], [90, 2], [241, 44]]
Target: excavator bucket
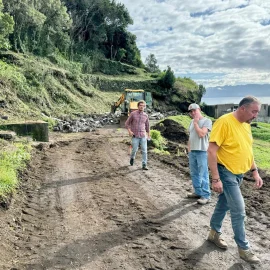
[[123, 119]]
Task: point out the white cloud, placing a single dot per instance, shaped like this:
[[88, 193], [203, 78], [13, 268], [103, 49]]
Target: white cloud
[[228, 41]]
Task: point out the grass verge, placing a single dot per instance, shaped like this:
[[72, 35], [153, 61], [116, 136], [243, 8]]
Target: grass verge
[[159, 142], [13, 158]]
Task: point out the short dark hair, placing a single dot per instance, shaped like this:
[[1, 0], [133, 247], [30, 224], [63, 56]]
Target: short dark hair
[[246, 101], [140, 102]]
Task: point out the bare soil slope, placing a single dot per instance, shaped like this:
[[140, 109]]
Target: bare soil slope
[[82, 206]]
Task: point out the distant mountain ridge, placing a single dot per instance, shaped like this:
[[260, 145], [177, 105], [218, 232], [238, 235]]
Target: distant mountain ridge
[[258, 90]]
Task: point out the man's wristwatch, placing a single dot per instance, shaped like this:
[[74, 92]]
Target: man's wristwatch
[[215, 180], [253, 170]]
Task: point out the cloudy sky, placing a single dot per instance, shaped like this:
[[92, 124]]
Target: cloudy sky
[[214, 42]]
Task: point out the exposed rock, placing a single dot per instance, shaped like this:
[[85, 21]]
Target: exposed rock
[[156, 116], [7, 135], [88, 123], [3, 104]]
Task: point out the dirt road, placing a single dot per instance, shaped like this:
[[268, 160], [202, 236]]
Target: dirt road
[[82, 206]]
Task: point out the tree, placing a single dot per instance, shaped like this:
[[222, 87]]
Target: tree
[[88, 30], [202, 90], [133, 54], [75, 28], [167, 78], [117, 21], [101, 26], [6, 27], [40, 26], [28, 21], [54, 34], [151, 63]]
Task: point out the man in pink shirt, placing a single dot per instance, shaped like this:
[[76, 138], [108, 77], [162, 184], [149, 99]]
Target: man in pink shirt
[[138, 127]]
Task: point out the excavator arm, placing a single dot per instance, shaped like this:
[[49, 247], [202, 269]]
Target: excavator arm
[[116, 104]]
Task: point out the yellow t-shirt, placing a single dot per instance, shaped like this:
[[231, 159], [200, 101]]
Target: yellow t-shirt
[[235, 143]]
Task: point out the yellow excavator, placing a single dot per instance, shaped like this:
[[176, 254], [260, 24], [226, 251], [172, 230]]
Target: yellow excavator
[[128, 102]]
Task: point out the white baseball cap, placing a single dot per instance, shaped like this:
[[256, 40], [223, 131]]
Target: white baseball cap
[[193, 106]]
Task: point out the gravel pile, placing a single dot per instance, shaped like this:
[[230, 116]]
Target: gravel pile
[[91, 122]]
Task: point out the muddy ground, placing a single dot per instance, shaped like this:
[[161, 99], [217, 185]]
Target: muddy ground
[[81, 206]]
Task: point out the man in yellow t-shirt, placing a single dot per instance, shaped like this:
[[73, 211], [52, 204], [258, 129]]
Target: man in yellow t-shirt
[[230, 155]]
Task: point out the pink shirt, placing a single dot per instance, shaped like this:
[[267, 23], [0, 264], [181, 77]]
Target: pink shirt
[[138, 123]]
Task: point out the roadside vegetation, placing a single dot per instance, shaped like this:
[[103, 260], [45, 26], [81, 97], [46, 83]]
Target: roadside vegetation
[[261, 131], [159, 142], [13, 159], [261, 135], [183, 120]]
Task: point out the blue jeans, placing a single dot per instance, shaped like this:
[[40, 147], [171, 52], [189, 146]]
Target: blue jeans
[[231, 199], [198, 166], [135, 145]]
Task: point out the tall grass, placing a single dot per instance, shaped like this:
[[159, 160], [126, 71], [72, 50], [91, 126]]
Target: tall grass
[[159, 142], [31, 86], [261, 154], [261, 135], [262, 131], [183, 120], [12, 160]]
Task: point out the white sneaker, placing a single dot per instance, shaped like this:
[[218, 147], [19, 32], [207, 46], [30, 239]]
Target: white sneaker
[[203, 201]]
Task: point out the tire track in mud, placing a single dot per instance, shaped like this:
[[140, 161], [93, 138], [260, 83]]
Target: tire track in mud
[[90, 210]]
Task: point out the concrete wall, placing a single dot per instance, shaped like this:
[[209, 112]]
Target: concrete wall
[[264, 115], [217, 110]]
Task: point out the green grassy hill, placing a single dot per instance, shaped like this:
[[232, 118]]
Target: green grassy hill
[[37, 88], [32, 87]]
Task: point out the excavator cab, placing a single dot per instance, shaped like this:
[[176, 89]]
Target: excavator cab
[[132, 99], [128, 102]]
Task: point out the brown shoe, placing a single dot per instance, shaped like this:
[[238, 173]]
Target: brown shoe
[[248, 256], [217, 239], [193, 196]]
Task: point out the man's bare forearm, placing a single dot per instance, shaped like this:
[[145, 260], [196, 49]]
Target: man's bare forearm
[[212, 160]]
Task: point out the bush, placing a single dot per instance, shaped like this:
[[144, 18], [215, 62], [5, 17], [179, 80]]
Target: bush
[[176, 99], [110, 67], [161, 152], [167, 78], [51, 122], [158, 141]]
